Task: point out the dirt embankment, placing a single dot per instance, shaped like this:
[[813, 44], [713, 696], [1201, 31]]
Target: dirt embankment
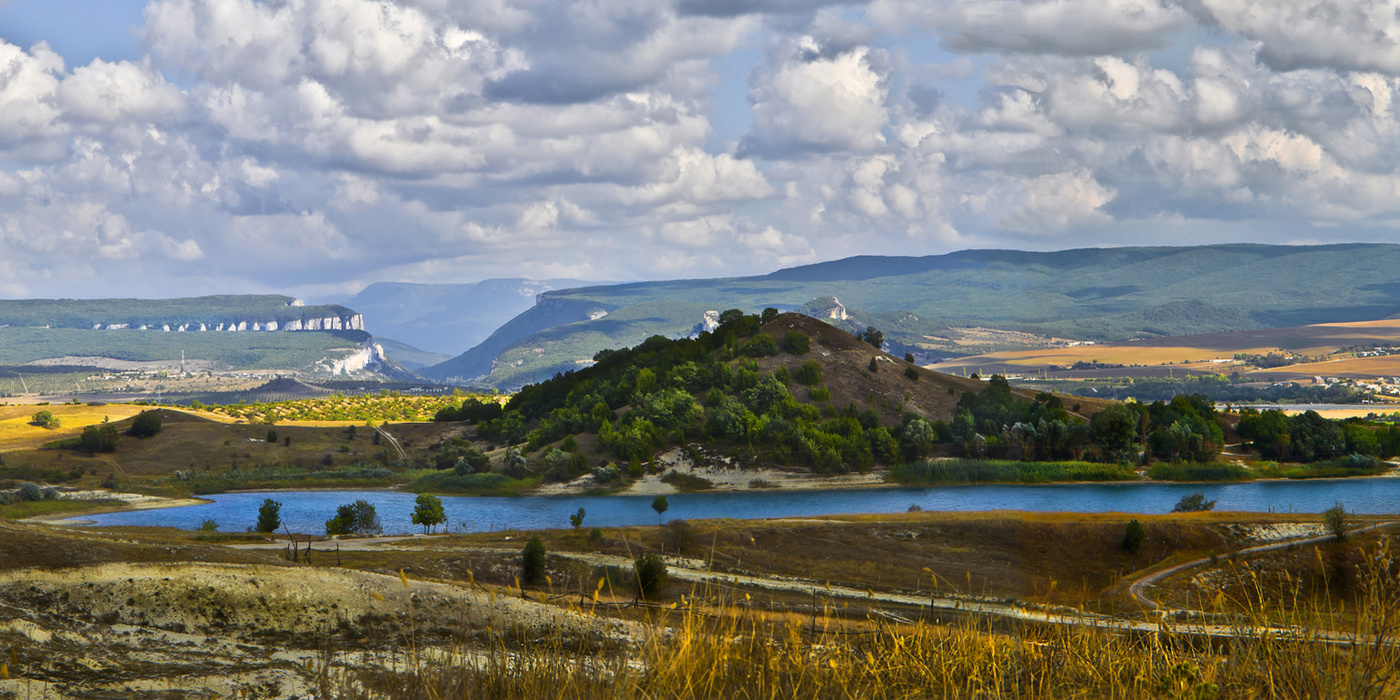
[[128, 630]]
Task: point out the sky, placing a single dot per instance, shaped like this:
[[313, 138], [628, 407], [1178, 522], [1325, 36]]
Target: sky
[[312, 147]]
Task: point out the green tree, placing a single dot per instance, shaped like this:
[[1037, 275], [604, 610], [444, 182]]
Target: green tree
[[1133, 537], [272, 436], [872, 335], [730, 316], [471, 462], [651, 575], [428, 512], [660, 505], [872, 366], [147, 424], [45, 419], [269, 516], [358, 518], [577, 519], [768, 315], [96, 439], [532, 561]]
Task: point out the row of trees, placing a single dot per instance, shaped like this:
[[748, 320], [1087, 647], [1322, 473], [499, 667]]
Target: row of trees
[[358, 518]]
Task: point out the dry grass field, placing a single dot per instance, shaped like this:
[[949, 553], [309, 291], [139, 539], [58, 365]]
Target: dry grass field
[[1195, 353], [18, 432]]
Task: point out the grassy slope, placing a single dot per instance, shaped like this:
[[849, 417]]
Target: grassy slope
[[1100, 294]]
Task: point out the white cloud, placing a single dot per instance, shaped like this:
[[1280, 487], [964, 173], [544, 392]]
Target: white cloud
[[810, 101], [1348, 35]]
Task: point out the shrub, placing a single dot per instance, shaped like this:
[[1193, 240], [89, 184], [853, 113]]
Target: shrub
[[49, 493], [911, 373], [272, 436], [810, 373], [29, 491], [45, 419], [269, 516], [358, 518], [767, 315], [209, 525], [820, 393], [797, 343], [1194, 503], [471, 462], [873, 367], [147, 424], [1133, 537], [532, 561], [651, 575], [680, 535], [1337, 521]]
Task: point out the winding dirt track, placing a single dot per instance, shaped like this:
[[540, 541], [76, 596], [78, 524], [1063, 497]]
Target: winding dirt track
[[1136, 589]]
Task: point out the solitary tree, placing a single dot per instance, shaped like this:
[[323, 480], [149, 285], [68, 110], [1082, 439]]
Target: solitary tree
[[45, 419], [1193, 503], [577, 519], [269, 516], [660, 505], [272, 436], [428, 512], [768, 315], [532, 561]]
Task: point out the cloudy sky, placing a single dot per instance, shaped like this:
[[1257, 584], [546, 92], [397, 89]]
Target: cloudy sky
[[311, 147]]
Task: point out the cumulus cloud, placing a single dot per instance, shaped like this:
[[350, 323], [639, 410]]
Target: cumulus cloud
[[305, 145], [807, 100]]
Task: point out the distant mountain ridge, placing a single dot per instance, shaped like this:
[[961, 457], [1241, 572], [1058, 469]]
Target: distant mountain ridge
[[1085, 294], [448, 318], [227, 312]]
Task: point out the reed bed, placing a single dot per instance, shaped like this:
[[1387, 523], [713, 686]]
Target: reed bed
[[732, 650]]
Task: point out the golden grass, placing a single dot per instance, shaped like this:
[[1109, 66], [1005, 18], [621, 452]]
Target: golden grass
[[16, 431], [708, 644]]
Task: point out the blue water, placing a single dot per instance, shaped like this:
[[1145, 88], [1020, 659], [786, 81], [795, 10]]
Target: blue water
[[307, 511]]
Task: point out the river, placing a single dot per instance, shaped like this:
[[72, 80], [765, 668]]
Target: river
[[307, 511]]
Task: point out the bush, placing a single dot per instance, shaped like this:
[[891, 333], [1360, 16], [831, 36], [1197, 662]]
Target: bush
[[45, 419], [358, 518], [532, 561], [820, 393], [147, 424], [1337, 521], [1133, 537], [911, 373], [680, 535], [272, 435], [873, 367], [1194, 503], [49, 493], [760, 345], [471, 462], [269, 516], [209, 525], [810, 373], [797, 343], [651, 575], [29, 491]]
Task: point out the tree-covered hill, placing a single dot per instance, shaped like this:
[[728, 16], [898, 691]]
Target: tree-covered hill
[[133, 313], [921, 303]]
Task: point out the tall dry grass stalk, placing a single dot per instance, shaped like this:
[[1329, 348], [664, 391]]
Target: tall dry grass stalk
[[728, 650]]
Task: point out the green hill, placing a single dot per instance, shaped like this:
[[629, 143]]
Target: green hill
[[1089, 294]]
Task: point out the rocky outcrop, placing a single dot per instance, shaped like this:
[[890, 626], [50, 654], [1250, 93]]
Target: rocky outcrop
[[347, 322]]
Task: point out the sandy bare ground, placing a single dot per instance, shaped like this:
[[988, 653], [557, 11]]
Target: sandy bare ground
[[127, 630], [723, 475]]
